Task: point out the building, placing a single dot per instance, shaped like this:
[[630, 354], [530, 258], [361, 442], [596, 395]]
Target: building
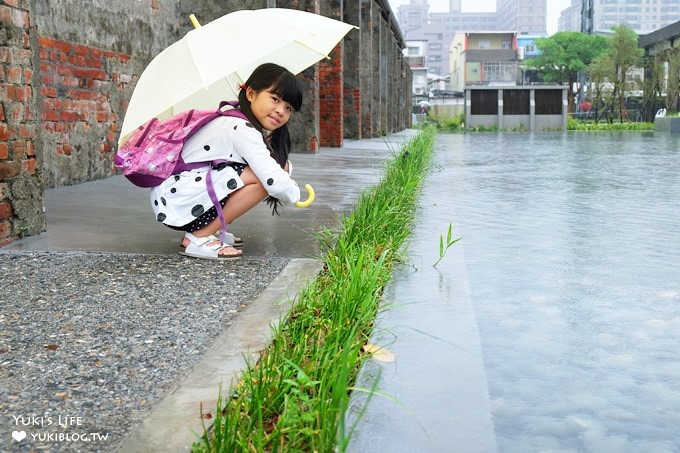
[[599, 16], [484, 58], [439, 29], [415, 55]]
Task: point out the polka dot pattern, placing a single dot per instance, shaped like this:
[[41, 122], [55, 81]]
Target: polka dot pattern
[[204, 216]]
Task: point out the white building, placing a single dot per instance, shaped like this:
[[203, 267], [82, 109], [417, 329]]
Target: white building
[[415, 55], [643, 16]]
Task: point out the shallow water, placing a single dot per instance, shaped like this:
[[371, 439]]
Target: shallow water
[[571, 250]]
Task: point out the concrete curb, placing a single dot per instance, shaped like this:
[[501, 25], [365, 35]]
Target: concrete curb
[[175, 423]]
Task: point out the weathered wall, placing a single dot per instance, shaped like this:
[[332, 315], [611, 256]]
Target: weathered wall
[[68, 69], [21, 207]]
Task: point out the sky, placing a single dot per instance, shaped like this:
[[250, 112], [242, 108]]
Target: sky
[[555, 7]]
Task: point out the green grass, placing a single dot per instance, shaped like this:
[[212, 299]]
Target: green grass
[[456, 124], [591, 126], [295, 397]]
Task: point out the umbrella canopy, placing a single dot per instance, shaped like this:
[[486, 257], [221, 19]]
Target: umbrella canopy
[[210, 62]]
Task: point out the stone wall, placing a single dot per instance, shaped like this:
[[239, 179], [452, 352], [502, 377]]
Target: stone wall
[[68, 69]]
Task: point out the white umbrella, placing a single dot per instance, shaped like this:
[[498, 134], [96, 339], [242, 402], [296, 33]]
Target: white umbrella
[[211, 61]]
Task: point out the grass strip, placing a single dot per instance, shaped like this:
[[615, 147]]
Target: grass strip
[[296, 395]]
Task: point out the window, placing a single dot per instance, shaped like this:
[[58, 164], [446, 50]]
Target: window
[[548, 102], [484, 45], [499, 72], [516, 102], [484, 102]]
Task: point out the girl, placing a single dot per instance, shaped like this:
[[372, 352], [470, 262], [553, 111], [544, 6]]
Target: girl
[[257, 165]]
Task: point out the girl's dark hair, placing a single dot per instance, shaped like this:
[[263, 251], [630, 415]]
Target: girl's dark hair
[[283, 83]]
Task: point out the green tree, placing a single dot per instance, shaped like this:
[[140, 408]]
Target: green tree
[[566, 53], [625, 55], [600, 73]]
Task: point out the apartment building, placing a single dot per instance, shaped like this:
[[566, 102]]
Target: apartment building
[[599, 16], [484, 58]]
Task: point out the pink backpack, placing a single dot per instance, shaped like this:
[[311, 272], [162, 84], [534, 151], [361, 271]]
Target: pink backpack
[[153, 152]]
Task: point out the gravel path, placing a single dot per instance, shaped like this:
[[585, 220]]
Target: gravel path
[[90, 342]]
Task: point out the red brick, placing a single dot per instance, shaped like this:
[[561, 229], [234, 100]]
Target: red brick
[[14, 75], [18, 149], [4, 151], [9, 170], [22, 93], [89, 74], [25, 132], [6, 210], [50, 115], [93, 63], [77, 60], [48, 91], [68, 116], [28, 166], [5, 231], [5, 132], [81, 49]]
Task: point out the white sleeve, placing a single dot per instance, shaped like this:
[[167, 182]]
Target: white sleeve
[[276, 181]]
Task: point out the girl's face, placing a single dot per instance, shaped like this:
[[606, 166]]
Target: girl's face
[[269, 109]]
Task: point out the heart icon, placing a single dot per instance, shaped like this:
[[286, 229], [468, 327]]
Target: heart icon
[[18, 435]]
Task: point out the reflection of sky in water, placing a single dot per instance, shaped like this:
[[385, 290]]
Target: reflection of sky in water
[[572, 244]]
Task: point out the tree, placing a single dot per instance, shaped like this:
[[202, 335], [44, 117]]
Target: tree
[[625, 55], [652, 85], [673, 82], [600, 73], [566, 53]]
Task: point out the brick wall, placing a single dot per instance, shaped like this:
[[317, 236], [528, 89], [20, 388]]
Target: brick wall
[[78, 118], [331, 99], [20, 208]]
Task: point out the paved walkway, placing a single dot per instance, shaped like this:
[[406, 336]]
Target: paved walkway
[[438, 397]]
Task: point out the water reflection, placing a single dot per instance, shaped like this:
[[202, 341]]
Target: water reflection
[[572, 254]]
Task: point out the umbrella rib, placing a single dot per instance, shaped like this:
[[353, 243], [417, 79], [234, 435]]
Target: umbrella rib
[[326, 56]]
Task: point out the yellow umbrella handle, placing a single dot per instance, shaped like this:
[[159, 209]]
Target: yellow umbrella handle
[[194, 21], [310, 198]]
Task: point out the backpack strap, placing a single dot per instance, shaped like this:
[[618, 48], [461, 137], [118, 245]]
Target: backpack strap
[[234, 111]]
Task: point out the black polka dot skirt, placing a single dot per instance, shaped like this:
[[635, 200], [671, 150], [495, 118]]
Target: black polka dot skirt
[[211, 214]]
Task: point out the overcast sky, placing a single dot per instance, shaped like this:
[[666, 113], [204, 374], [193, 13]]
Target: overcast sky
[[555, 7]]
